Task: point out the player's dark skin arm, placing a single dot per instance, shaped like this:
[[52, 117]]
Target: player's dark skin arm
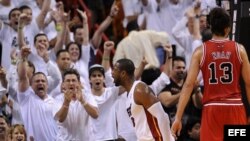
[[143, 95]]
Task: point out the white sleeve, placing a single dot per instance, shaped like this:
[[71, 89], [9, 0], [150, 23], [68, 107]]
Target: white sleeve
[[50, 31], [38, 62], [57, 105], [180, 33], [2, 30], [54, 76], [119, 52], [114, 91], [52, 56], [55, 92], [196, 44], [160, 83], [89, 98], [85, 56], [34, 28], [12, 81], [109, 81], [23, 97]]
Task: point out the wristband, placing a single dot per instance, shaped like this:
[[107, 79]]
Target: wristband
[[13, 61], [105, 58], [20, 27], [58, 27]]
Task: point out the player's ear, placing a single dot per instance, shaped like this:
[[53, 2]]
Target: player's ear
[[123, 73], [227, 31]]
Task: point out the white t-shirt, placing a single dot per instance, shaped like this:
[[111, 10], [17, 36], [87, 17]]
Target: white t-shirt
[[78, 124], [9, 39], [38, 115], [105, 125], [4, 12]]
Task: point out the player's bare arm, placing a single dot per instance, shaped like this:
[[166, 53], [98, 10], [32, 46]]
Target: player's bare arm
[[143, 95], [245, 73], [187, 90]]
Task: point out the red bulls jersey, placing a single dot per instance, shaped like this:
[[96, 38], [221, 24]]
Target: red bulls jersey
[[221, 70]]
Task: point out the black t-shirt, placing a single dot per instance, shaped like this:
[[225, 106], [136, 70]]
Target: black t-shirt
[[190, 108], [174, 89]]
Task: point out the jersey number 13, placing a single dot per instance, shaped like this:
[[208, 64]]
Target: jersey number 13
[[227, 76]]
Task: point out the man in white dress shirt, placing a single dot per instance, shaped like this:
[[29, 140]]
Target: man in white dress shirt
[[77, 108]]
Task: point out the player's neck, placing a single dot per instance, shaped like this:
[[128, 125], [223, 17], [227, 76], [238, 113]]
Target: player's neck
[[217, 37], [128, 84]]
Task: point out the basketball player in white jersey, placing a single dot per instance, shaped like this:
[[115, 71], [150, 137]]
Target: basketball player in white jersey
[[150, 121]]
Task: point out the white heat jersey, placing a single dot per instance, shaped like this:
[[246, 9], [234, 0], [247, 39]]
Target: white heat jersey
[[148, 127]]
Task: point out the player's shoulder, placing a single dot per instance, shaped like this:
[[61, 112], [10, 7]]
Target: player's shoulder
[[142, 88], [241, 47]]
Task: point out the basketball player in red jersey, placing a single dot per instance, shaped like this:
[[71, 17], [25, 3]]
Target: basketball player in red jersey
[[222, 62]]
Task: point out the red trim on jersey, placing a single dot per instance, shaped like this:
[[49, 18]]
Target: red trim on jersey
[[153, 126], [238, 52], [203, 55], [219, 41], [226, 101]]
